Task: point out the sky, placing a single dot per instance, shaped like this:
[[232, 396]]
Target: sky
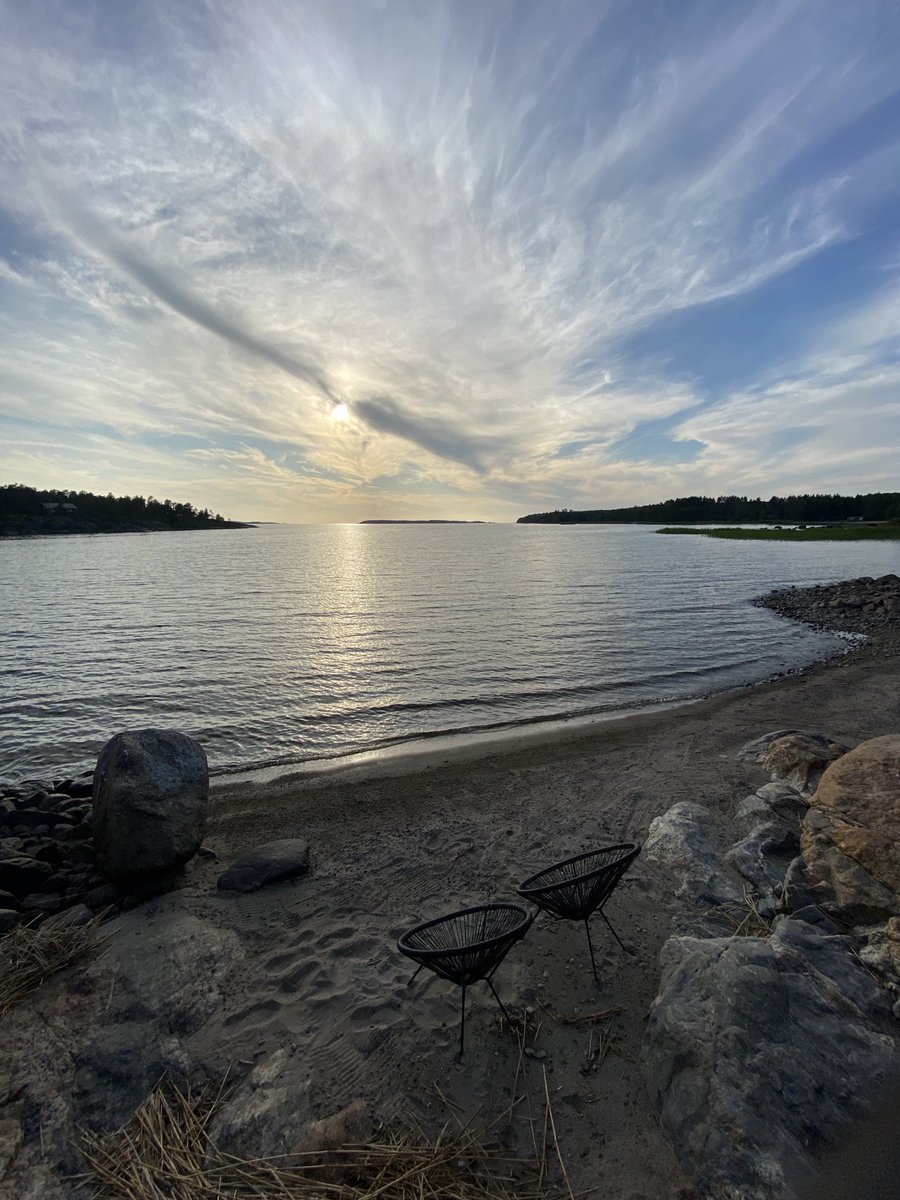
[[326, 261]]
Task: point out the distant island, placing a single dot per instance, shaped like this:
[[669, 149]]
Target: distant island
[[434, 521], [793, 510], [29, 512]]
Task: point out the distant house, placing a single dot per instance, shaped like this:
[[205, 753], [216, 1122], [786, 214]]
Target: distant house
[[53, 509]]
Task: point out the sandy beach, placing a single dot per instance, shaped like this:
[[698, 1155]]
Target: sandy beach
[[397, 842]]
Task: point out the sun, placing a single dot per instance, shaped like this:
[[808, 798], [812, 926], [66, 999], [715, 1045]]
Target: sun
[[340, 412]]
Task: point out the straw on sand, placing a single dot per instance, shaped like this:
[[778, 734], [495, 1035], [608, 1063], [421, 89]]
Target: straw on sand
[[166, 1152], [30, 953]]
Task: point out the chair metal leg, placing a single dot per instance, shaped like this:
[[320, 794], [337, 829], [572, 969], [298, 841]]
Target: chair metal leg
[[613, 932], [587, 930], [497, 998], [414, 974]]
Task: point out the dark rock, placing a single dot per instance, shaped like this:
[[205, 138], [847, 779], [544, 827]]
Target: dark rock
[[813, 915], [118, 1070], [22, 875], [9, 918], [105, 896], [8, 900], [796, 893], [77, 852], [81, 788], [43, 902], [270, 863], [32, 818], [50, 802], [48, 852], [151, 788]]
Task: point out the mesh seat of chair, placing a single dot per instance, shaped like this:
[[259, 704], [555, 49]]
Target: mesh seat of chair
[[466, 946], [575, 888], [579, 886]]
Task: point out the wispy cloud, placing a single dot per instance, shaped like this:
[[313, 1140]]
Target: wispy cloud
[[456, 220]]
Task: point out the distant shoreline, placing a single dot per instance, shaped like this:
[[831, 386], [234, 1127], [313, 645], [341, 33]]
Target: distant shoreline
[[430, 521], [83, 530]]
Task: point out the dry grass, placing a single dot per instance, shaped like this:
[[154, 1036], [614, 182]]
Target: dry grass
[[166, 1152], [31, 953], [743, 918]]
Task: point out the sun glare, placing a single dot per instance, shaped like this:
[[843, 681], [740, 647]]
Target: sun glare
[[340, 412]]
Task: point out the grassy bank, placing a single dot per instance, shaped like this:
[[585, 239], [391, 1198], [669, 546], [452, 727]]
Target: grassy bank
[[819, 533]]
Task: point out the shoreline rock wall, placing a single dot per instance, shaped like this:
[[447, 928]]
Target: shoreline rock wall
[[783, 1026], [864, 606]]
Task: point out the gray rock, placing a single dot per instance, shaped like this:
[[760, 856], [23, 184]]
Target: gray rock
[[758, 1051], [682, 840], [78, 914], [783, 799], [267, 1115], [151, 789], [119, 1068], [269, 863], [753, 809], [796, 892], [764, 855], [169, 966]]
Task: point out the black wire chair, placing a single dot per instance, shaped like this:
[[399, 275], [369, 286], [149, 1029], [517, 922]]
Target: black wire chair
[[578, 887], [466, 946]]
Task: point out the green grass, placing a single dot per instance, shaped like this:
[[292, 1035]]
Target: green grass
[[840, 533]]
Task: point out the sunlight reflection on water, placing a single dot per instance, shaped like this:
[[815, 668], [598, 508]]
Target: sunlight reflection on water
[[292, 642]]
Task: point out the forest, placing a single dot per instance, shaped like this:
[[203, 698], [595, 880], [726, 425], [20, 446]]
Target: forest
[[876, 506], [24, 510]]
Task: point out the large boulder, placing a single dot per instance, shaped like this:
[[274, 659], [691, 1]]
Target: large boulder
[[760, 1050], [850, 838], [151, 788]]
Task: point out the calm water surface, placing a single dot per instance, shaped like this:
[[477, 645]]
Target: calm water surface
[[286, 643]]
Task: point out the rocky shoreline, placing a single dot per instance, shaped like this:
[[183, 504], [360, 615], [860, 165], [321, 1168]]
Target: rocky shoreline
[[866, 606]]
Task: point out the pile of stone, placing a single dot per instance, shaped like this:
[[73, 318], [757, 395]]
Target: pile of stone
[[47, 860], [111, 838], [105, 839], [865, 605], [787, 1033]]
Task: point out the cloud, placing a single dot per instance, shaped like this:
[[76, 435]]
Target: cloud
[[166, 286], [455, 219]]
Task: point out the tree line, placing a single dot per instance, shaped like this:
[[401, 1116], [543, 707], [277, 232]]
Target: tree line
[[20, 501], [876, 506]]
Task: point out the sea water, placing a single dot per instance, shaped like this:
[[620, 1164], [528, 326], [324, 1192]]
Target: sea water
[[287, 643]]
